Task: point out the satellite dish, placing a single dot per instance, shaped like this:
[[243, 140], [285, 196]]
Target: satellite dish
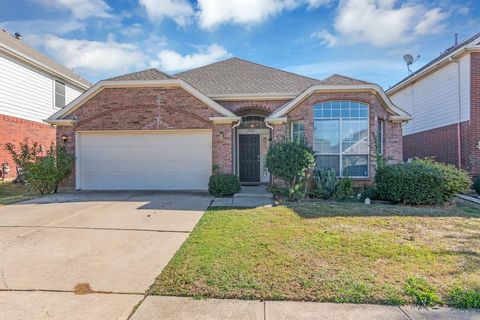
[[408, 59]]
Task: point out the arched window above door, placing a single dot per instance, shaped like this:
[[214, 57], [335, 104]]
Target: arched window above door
[[253, 122]]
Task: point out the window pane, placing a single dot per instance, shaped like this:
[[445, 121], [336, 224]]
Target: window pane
[[355, 166], [298, 133], [59, 100], [327, 136], [363, 111], [252, 122], [59, 94], [355, 136], [328, 162]]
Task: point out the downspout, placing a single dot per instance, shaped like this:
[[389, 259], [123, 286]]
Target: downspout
[[271, 140], [459, 132], [234, 149]]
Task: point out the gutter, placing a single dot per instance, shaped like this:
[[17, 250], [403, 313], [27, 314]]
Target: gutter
[[459, 131]]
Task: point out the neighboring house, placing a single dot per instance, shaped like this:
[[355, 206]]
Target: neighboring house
[[32, 88], [443, 98], [151, 130]]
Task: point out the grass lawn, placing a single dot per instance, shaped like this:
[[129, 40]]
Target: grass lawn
[[11, 193], [320, 251]]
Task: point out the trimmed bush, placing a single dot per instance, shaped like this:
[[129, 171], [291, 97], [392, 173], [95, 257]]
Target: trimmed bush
[[455, 180], [370, 193], [411, 183], [291, 161], [476, 185], [344, 189], [223, 185]]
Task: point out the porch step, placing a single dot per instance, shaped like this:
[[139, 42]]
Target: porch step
[[259, 191]]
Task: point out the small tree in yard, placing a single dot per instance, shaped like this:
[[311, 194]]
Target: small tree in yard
[[42, 174], [291, 161]]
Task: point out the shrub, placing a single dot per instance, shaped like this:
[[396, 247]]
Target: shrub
[[411, 183], [291, 161], [42, 174], [370, 193], [463, 298], [344, 190], [421, 291], [476, 185], [326, 182], [223, 185], [455, 180]]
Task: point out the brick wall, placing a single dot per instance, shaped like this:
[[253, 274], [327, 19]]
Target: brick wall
[[15, 130], [439, 143], [148, 109], [473, 136], [392, 135]]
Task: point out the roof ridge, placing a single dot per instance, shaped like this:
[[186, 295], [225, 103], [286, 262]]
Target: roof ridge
[[206, 65], [276, 69], [346, 77], [248, 61], [142, 71], [440, 57]]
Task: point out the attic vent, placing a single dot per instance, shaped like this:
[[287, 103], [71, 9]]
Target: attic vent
[[18, 36]]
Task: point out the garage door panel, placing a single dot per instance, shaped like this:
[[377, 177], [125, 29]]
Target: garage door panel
[[137, 160]]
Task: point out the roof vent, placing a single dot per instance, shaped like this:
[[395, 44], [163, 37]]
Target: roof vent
[[18, 36]]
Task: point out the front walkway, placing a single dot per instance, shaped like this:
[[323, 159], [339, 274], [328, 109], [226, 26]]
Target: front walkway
[[249, 196], [169, 308]]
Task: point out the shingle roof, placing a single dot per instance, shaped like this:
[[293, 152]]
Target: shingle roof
[[440, 57], [240, 77], [36, 57], [149, 74], [337, 79], [237, 76]]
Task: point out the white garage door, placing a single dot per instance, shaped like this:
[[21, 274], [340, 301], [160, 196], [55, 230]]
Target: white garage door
[[135, 160]]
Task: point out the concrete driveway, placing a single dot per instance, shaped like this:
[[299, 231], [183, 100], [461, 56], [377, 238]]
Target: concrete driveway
[[112, 243]]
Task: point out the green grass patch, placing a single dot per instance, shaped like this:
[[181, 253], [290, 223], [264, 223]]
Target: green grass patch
[[13, 192], [464, 298], [423, 293], [321, 251]]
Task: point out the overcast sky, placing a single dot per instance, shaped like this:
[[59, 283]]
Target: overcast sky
[[365, 39]]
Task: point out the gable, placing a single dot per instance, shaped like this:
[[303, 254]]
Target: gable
[[396, 113], [61, 117]]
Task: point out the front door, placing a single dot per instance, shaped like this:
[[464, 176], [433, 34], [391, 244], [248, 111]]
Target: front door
[[249, 154]]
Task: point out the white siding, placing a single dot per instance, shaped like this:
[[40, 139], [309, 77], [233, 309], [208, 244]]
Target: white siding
[[26, 92], [71, 93], [433, 100]]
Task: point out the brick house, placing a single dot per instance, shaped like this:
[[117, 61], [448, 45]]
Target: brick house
[[151, 130], [32, 87], [443, 98]]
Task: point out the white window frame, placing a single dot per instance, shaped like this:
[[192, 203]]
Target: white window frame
[[291, 128], [340, 154], [55, 94]]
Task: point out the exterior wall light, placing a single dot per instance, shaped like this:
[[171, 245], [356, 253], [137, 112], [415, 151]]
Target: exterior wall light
[[65, 138]]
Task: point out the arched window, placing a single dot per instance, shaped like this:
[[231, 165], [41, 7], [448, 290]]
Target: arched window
[[253, 122], [341, 140]]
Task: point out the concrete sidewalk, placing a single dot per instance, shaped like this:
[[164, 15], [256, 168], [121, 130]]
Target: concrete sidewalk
[[167, 308]]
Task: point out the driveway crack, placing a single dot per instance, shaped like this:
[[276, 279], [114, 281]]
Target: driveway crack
[[4, 280]]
